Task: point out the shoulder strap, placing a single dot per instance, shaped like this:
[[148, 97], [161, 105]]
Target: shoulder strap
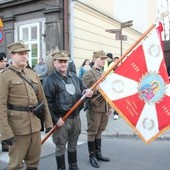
[[29, 81], [93, 74]]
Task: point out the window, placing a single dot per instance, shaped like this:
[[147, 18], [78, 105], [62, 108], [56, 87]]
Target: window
[[30, 34]]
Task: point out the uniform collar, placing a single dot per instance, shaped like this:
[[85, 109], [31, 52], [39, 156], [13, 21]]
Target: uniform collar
[[20, 70], [97, 69]]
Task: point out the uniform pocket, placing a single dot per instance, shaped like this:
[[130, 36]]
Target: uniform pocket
[[18, 120], [16, 86], [17, 82]]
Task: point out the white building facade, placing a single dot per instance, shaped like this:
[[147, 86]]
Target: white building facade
[[89, 20]]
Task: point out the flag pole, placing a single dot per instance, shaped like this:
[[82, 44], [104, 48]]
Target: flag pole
[[95, 84]]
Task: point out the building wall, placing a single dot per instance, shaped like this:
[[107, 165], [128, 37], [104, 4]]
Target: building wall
[[142, 12], [90, 34], [48, 15]]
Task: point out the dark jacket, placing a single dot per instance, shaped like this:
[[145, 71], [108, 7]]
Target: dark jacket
[[59, 100]]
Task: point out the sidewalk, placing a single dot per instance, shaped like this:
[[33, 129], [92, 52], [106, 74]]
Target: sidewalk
[[115, 128]]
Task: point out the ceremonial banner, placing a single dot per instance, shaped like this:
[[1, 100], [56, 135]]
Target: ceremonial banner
[[139, 89]]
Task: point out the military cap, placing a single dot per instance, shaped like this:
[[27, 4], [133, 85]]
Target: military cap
[[61, 55], [2, 56], [99, 54], [17, 47]]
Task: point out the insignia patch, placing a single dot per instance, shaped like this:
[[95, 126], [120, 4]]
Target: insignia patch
[[152, 88]]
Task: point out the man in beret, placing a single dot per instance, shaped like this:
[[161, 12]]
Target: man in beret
[[63, 89], [98, 112], [20, 93]]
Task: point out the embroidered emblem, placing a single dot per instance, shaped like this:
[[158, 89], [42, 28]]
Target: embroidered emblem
[[70, 88], [152, 88], [118, 86], [148, 124], [154, 50]]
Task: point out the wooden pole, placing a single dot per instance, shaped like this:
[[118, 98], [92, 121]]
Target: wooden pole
[[95, 84]]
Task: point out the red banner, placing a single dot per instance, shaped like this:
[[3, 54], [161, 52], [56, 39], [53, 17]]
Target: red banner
[[139, 89]]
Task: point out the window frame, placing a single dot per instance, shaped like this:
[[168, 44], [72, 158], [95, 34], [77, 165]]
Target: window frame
[[40, 24]]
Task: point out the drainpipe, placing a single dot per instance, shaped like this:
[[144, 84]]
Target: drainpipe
[[71, 28], [66, 33]]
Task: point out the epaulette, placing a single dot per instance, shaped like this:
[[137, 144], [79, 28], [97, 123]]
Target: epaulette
[[5, 69], [30, 69]]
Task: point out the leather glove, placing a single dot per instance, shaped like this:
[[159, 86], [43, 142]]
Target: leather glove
[[47, 130], [9, 141]]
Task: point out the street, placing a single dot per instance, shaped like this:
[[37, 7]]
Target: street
[[126, 150], [125, 154]]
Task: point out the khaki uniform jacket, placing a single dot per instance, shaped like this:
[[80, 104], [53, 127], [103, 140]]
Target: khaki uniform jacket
[[97, 102], [14, 90]]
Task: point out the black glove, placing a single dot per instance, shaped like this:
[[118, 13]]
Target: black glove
[[47, 130], [87, 104], [9, 141]]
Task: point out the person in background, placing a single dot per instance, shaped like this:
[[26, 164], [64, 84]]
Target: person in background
[[3, 60], [115, 60], [41, 68], [9, 62], [84, 68], [115, 114], [20, 95], [98, 111], [28, 65], [3, 63], [71, 66], [109, 61], [91, 63], [63, 89]]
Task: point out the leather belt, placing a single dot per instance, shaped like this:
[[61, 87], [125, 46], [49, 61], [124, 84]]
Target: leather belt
[[21, 108]]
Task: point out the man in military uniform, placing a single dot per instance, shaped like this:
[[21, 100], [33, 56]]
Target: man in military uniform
[[3, 62], [20, 93], [63, 89], [98, 111]]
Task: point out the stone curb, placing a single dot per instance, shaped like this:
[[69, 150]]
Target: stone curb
[[132, 135]]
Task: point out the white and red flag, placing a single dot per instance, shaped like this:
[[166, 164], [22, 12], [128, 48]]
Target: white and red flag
[[139, 89]]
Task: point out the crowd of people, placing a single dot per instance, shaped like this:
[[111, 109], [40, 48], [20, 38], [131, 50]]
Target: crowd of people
[[32, 99]]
